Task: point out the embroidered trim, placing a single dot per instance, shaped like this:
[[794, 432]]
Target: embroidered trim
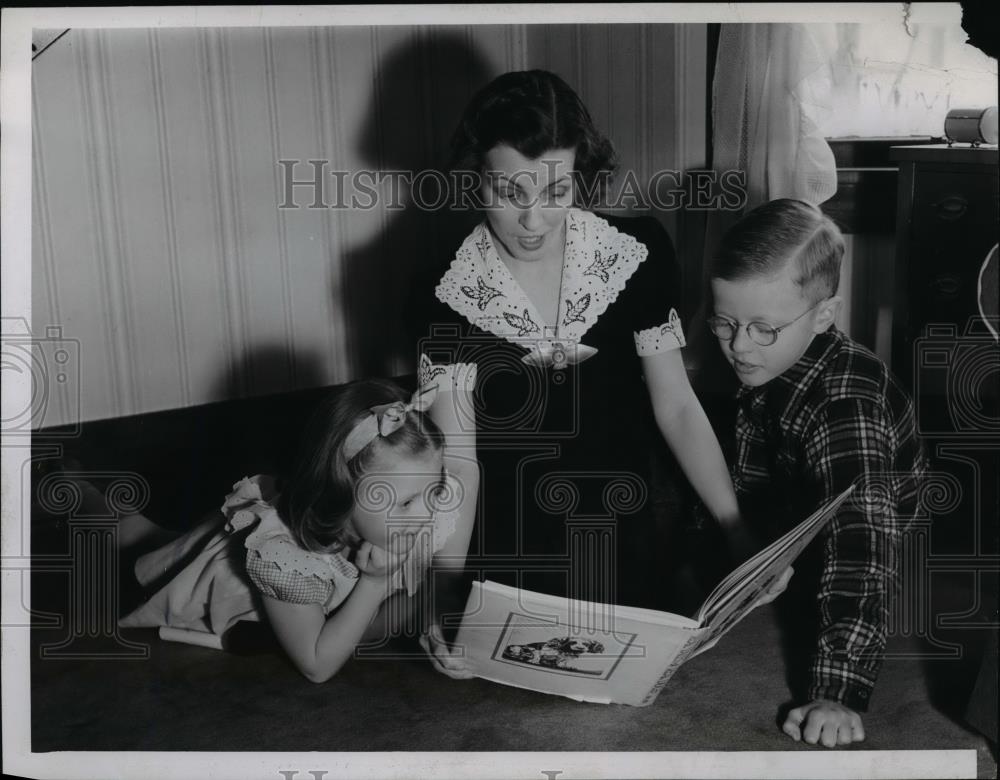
[[598, 262], [273, 581], [289, 557], [449, 378], [273, 543], [271, 539], [662, 338], [245, 492]]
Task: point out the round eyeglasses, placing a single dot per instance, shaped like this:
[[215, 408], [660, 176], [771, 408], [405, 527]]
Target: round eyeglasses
[[760, 333]]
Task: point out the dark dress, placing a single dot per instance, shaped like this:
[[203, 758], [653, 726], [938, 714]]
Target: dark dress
[[568, 501]]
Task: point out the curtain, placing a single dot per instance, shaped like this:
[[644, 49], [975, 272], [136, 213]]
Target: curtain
[[781, 89], [772, 85], [772, 82]]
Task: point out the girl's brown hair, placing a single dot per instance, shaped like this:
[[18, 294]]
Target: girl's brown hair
[[318, 497]]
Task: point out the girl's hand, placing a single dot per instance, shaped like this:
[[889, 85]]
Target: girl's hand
[[375, 561], [442, 657]]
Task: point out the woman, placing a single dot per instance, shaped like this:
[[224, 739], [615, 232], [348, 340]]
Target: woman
[[570, 319]]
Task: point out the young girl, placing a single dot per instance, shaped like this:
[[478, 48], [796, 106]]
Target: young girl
[[366, 505]]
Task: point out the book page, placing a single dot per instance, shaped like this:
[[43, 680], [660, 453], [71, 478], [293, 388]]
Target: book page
[[588, 652], [589, 613], [738, 593]]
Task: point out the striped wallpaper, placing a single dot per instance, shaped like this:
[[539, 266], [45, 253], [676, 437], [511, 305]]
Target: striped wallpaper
[[157, 243]]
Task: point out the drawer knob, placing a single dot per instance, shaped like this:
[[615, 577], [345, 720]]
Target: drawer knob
[[947, 285], [951, 207]]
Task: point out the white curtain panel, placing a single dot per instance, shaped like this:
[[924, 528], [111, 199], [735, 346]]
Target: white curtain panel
[[770, 99]]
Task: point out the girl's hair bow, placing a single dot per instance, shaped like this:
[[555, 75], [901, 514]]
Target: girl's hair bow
[[384, 419]]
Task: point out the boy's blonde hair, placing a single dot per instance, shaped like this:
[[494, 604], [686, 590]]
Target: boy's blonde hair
[[779, 232]]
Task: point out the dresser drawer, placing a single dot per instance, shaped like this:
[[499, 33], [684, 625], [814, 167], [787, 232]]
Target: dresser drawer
[[953, 227], [947, 222], [949, 204]]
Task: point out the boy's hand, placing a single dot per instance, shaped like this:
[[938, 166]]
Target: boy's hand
[[827, 722], [375, 561], [776, 589], [444, 660]]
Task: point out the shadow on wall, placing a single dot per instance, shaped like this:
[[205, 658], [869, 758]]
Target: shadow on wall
[[418, 95], [274, 368]]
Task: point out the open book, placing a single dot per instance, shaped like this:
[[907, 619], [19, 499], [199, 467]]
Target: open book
[[607, 653]]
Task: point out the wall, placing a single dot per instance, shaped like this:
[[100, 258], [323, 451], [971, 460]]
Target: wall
[[645, 87], [866, 285], [157, 241]]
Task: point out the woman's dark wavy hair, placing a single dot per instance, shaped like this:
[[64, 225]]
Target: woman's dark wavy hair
[[318, 496], [533, 111]]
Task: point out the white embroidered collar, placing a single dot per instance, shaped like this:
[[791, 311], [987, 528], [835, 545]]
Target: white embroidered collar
[[598, 262]]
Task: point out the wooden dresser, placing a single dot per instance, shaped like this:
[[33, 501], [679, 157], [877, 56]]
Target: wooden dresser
[[947, 222], [948, 214]]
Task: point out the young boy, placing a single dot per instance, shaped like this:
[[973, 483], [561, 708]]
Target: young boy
[[817, 412]]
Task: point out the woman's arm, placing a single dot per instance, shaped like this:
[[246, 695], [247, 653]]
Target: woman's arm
[[679, 415], [684, 425], [455, 415]]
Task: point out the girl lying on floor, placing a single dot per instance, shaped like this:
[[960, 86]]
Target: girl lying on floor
[[347, 540]]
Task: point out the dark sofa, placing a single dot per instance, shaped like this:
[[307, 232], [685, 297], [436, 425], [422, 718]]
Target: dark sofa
[[102, 689], [190, 457]]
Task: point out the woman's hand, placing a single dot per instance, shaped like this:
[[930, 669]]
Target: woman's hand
[[375, 561], [742, 546], [444, 659]]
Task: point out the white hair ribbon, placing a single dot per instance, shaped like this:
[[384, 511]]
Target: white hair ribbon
[[384, 419]]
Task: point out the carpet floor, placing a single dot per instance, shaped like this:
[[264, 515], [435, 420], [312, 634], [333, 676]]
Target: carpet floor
[[180, 697]]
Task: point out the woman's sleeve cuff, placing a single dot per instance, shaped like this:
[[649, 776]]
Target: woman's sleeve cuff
[[662, 338], [454, 377]]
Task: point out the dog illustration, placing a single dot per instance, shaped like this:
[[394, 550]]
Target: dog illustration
[[556, 653]]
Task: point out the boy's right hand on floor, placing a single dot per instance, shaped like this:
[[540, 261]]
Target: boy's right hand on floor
[[827, 722], [445, 660]]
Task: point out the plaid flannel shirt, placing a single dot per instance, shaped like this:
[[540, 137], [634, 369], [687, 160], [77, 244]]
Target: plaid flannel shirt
[[835, 418]]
